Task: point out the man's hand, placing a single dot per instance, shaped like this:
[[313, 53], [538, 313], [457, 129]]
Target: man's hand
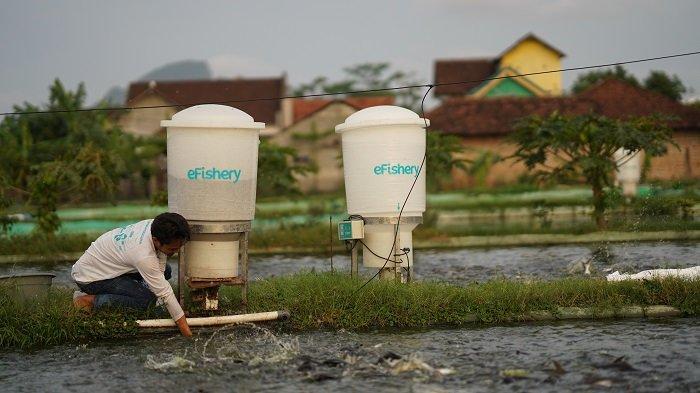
[[183, 326]]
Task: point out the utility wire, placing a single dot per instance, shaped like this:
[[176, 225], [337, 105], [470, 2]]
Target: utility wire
[[128, 108]]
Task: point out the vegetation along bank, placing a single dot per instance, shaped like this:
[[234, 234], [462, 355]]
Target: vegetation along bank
[[333, 301]]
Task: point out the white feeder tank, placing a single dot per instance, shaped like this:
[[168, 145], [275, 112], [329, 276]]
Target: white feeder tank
[[383, 148], [212, 163], [212, 177], [629, 170]]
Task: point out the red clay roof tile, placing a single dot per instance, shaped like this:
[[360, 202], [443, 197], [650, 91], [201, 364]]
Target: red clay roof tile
[[612, 98], [190, 92], [304, 107], [462, 70]]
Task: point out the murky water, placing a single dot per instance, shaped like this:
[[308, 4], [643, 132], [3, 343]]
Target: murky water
[[653, 355], [658, 356]]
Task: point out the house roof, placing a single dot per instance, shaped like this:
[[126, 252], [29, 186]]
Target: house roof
[[496, 116], [612, 98], [456, 70], [190, 92], [483, 89], [531, 36], [474, 69], [618, 99], [304, 108]]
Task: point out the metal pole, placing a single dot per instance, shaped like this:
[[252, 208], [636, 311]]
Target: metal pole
[[330, 232], [181, 277], [397, 249], [244, 261], [409, 270], [354, 268]]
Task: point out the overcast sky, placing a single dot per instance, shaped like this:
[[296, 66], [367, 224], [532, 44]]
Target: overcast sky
[[108, 43]]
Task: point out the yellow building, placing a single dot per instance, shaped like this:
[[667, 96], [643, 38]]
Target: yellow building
[[530, 54]]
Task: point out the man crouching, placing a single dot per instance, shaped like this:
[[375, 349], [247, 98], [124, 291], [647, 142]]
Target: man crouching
[[126, 267]]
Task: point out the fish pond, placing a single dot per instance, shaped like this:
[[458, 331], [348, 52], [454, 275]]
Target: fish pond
[[615, 355]]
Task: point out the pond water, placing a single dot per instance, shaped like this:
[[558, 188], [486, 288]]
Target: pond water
[[463, 266], [656, 355]]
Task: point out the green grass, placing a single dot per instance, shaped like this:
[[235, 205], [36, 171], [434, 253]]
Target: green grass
[[53, 320], [34, 244], [331, 301]]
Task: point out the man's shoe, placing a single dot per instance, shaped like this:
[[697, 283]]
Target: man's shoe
[[82, 301], [78, 294]]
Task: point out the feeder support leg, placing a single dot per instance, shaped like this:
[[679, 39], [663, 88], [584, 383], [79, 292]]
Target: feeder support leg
[[354, 268], [397, 250], [244, 262], [181, 277]]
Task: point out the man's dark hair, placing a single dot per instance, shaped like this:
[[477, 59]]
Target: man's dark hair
[[168, 227]]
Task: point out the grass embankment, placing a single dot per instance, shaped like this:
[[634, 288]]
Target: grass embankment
[[37, 244], [52, 320], [330, 301], [318, 301]]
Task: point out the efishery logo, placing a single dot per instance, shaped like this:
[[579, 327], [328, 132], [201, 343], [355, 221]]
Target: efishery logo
[[396, 169], [202, 173]]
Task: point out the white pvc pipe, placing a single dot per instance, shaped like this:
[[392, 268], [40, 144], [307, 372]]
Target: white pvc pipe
[[214, 321]]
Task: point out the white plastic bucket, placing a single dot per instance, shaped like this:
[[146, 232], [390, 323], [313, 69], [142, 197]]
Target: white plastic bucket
[[212, 255]]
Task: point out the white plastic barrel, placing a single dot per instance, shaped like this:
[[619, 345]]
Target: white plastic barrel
[[383, 147], [212, 163], [629, 170], [212, 177]]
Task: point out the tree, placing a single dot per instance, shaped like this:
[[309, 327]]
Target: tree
[[588, 79], [660, 82], [479, 167], [368, 76], [560, 148], [441, 153], [5, 202], [277, 169], [56, 157]]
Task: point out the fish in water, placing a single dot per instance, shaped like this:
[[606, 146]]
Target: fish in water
[[558, 369], [580, 265], [618, 364], [320, 377], [599, 381]]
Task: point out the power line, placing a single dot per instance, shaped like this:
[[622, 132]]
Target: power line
[[426, 85]]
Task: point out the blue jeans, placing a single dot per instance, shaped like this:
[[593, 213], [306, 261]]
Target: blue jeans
[[126, 291]]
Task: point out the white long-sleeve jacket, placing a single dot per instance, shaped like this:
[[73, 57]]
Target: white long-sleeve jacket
[[126, 250]]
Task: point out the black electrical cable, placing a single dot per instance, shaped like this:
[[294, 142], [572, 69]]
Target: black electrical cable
[[394, 261], [127, 108]]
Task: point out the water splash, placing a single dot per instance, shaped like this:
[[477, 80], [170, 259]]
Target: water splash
[[414, 362], [174, 363], [226, 347]]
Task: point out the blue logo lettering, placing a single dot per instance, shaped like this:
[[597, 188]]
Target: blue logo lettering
[[396, 169], [202, 173]]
